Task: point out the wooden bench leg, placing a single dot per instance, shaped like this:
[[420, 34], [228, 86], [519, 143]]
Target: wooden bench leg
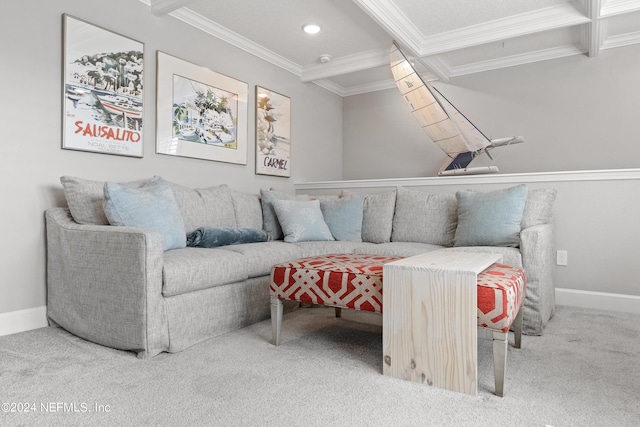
[[517, 329], [276, 320], [500, 343]]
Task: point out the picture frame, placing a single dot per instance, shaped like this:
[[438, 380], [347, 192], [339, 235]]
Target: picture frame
[[102, 90], [201, 114], [273, 133]]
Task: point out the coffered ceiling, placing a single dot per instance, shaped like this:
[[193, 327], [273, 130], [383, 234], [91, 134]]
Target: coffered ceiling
[[447, 38]]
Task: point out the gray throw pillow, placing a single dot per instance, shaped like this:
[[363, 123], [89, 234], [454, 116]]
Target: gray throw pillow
[[424, 217], [377, 217], [248, 209], [205, 207], [84, 198]]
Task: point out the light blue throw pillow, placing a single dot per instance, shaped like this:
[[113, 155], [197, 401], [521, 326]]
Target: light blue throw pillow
[[271, 224], [151, 206], [301, 221], [344, 217], [490, 219]]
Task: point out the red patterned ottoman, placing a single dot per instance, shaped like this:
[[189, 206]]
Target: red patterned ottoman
[[355, 281], [337, 280]]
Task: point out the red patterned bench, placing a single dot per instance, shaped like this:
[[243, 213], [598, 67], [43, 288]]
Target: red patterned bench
[[355, 281]]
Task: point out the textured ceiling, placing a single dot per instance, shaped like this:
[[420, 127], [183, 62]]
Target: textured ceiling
[[449, 38]]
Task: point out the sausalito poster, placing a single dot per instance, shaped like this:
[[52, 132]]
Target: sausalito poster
[[103, 90], [273, 133]]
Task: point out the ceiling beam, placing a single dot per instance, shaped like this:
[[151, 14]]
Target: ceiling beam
[[560, 16], [595, 29], [164, 7], [345, 65]]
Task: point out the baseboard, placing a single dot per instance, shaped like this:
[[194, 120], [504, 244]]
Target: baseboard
[[23, 320], [598, 300]]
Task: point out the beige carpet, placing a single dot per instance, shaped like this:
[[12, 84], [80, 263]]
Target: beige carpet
[[584, 371]]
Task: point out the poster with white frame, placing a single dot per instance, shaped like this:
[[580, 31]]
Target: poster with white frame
[[103, 90], [273, 133], [201, 114]]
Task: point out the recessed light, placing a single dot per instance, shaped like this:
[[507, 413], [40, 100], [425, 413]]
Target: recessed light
[[311, 28]]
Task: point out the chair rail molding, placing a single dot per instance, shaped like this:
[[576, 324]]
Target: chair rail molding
[[513, 178]]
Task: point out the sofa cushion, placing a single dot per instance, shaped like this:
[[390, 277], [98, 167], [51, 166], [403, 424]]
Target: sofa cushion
[[403, 249], [316, 248], [344, 216], [260, 257], [205, 207], [271, 224], [207, 237], [192, 269], [510, 256], [152, 206], [377, 217], [248, 210], [84, 198], [490, 219], [301, 220], [424, 217], [538, 208]]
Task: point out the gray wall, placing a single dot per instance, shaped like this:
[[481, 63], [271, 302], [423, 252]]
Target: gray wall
[[594, 216], [31, 160], [576, 113]]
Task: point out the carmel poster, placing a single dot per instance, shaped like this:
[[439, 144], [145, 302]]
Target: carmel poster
[[273, 133], [103, 90]]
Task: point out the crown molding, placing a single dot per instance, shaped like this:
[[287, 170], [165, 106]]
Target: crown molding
[[369, 87], [330, 86], [394, 22], [200, 22], [345, 64], [163, 7], [617, 7], [214, 29], [621, 40], [439, 66], [514, 60]]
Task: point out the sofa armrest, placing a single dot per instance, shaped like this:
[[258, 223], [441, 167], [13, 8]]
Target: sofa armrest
[[537, 244], [104, 283]]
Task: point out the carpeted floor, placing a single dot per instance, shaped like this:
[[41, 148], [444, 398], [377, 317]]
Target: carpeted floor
[[584, 371]]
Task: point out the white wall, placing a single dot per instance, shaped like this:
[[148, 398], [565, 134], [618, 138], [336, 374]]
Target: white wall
[[576, 113], [31, 160]]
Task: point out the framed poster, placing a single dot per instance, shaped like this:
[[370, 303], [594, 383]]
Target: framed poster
[[102, 90], [200, 113], [273, 133]]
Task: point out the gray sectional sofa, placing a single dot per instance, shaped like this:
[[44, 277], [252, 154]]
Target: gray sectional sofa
[[119, 287]]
